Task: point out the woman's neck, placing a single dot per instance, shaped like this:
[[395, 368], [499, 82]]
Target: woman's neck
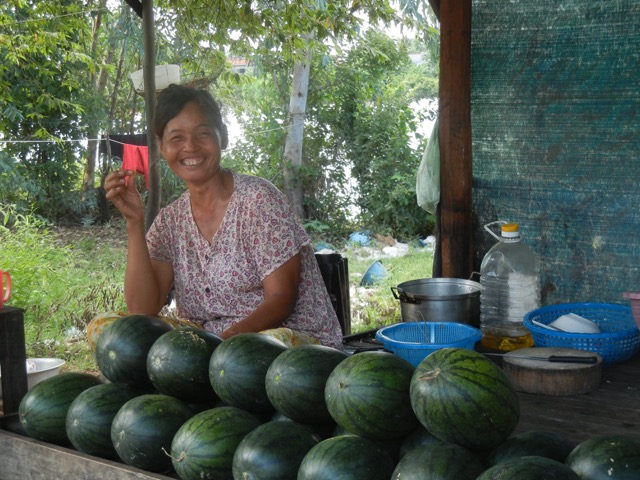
[[209, 202]]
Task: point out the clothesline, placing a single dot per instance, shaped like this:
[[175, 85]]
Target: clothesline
[[121, 143], [57, 141], [52, 17]]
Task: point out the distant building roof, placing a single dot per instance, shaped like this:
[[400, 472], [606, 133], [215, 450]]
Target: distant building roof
[[238, 64]]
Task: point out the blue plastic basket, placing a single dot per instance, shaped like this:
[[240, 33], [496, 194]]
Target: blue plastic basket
[[413, 341], [618, 341]]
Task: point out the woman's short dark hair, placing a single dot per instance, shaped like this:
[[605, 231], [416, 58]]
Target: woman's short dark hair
[[173, 99]]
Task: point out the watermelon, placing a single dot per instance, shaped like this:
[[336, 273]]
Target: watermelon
[[273, 451], [530, 468], [462, 397], [90, 416], [389, 445], [198, 407], [296, 379], [438, 461], [178, 363], [420, 436], [238, 367], [43, 409], [122, 348], [346, 456], [611, 457], [144, 427], [368, 394], [324, 430], [204, 446], [537, 443]]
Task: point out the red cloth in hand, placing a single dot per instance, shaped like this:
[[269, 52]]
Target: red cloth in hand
[[136, 158]]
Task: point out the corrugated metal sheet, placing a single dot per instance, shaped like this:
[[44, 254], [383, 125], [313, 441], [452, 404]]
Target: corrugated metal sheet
[[556, 138]]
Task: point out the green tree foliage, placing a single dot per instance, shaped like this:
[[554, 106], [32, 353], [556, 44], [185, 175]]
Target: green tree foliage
[[358, 129], [41, 101], [369, 106], [64, 76]]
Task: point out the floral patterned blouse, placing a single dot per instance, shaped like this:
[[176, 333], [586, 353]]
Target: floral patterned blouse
[[219, 284]]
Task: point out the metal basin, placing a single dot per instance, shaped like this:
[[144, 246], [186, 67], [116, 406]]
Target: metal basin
[[439, 300], [39, 369]]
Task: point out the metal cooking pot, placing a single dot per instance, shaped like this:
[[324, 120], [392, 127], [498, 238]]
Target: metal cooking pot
[[439, 300]]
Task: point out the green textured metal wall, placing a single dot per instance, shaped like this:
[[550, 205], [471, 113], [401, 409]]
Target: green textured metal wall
[[556, 138]]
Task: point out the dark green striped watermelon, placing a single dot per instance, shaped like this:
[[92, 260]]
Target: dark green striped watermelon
[[238, 367], [530, 468], [90, 417], [610, 457], [324, 430], [533, 443], [43, 409], [178, 363], [390, 445], [144, 427], [346, 456], [204, 446], [273, 451], [420, 436], [296, 379], [198, 407], [368, 394], [439, 461], [462, 397], [122, 348]]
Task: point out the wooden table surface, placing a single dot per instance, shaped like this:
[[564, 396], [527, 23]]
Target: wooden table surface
[[614, 408]]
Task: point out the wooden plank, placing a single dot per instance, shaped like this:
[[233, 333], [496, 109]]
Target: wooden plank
[[24, 458], [455, 139]]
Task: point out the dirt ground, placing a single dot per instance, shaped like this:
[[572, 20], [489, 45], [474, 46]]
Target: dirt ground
[[115, 231]]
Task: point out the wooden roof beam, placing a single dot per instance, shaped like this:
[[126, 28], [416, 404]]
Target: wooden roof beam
[[435, 6], [136, 6]]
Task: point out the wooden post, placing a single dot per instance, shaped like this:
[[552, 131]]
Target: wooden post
[[13, 358], [149, 76], [455, 138]]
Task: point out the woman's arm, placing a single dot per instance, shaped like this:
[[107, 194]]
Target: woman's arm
[[280, 297], [147, 282]]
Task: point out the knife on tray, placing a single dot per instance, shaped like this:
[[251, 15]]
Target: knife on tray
[[592, 359]]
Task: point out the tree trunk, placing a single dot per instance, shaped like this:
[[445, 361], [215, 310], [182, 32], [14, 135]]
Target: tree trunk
[[104, 214], [293, 142], [88, 178]]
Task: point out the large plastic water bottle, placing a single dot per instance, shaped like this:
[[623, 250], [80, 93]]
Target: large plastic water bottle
[[510, 279]]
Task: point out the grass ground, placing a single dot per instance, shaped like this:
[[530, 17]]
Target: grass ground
[[62, 278]]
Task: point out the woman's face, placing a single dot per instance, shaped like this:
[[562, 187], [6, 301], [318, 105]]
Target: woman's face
[[191, 145]]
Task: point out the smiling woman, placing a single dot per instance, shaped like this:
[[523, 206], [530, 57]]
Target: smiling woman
[[230, 247]]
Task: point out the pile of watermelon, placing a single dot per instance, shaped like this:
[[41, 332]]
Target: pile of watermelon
[[183, 402]]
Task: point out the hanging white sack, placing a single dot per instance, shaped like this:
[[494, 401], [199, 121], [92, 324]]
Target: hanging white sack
[[428, 177]]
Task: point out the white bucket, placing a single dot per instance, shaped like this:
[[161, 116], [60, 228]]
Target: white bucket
[[165, 76]]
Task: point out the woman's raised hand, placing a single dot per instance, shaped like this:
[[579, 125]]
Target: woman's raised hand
[[121, 191]]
